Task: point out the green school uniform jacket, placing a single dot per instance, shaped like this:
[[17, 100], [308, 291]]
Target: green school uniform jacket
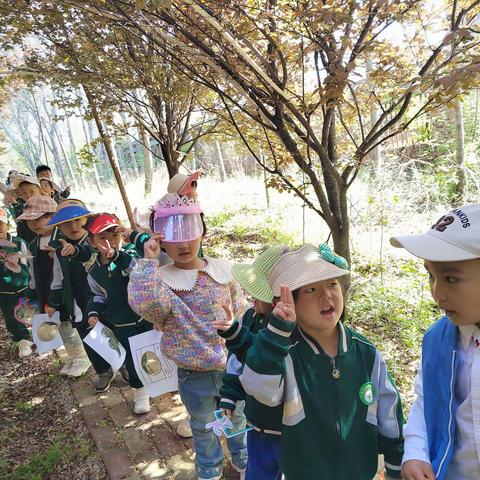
[[23, 231], [108, 286], [69, 282], [238, 339], [338, 414], [37, 277], [12, 283]]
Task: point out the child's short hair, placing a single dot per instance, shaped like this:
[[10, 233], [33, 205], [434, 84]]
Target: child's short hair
[[42, 168]]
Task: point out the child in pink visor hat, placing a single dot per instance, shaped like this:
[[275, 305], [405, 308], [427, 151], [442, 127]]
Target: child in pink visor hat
[[182, 300]]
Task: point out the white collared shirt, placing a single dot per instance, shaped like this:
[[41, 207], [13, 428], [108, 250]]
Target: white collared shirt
[[465, 463]]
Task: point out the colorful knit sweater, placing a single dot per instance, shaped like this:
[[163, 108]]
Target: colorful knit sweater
[[183, 303]]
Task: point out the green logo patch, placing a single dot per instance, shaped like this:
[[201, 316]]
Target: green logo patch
[[367, 393]]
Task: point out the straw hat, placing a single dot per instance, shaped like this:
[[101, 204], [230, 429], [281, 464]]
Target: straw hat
[[304, 266], [37, 206], [253, 278], [19, 178]]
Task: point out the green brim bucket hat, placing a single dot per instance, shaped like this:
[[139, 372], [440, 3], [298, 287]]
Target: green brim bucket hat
[[253, 278]]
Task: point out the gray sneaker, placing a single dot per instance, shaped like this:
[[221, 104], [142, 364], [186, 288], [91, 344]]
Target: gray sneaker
[[103, 381], [124, 374]]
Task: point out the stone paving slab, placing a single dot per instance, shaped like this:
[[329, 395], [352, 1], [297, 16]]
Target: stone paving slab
[[138, 447]]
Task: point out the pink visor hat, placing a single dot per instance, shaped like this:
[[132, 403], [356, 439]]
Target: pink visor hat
[[177, 218]]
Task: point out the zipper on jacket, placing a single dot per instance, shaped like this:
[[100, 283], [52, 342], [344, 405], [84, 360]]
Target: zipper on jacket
[[450, 419], [338, 427]]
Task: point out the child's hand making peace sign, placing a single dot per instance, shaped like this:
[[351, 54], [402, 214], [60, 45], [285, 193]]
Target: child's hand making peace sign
[[285, 307]]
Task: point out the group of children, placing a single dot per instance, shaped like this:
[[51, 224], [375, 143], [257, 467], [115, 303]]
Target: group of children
[[316, 393]]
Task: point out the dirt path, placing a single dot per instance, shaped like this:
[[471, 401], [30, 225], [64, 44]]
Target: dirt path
[[57, 428]]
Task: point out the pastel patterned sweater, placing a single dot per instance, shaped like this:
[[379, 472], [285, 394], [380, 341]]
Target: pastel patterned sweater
[[183, 303]]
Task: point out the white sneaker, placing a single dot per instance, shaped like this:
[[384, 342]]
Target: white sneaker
[[211, 478], [25, 348], [65, 370], [79, 367], [184, 429], [141, 401]]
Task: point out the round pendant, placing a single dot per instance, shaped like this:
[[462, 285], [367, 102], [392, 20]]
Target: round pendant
[[336, 373]]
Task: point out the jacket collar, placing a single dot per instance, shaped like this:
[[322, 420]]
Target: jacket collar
[[315, 346], [185, 280], [466, 332]]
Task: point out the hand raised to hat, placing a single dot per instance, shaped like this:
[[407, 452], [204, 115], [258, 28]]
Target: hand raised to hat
[[68, 250], [285, 307], [152, 247]]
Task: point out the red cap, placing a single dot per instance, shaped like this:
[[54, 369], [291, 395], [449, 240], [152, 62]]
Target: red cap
[[103, 222]]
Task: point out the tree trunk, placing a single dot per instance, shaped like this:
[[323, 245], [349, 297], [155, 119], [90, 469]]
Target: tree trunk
[[112, 158], [265, 180], [40, 126], [147, 159], [73, 155], [88, 140], [55, 152], [131, 153], [459, 153], [170, 159], [97, 152], [223, 173]]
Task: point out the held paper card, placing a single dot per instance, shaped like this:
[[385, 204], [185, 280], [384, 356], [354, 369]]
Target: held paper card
[[156, 372], [45, 332], [104, 342]]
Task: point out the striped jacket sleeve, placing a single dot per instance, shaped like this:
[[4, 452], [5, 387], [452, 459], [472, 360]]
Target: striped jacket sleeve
[[264, 372], [55, 298], [389, 415], [238, 339], [96, 305], [231, 390]]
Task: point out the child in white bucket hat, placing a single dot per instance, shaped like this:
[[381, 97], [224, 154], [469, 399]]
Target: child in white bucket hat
[[442, 436], [340, 406]]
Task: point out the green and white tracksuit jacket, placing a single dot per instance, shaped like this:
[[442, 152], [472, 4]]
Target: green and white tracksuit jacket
[[338, 413], [238, 339]]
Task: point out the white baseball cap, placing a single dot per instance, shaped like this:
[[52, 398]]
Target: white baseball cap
[[453, 238]]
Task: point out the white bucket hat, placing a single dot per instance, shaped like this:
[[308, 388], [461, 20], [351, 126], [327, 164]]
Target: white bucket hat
[[454, 237], [308, 264]]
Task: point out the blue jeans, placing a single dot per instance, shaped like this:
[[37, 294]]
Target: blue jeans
[[263, 457], [200, 394]]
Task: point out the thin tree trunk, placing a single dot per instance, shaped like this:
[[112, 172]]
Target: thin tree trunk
[[54, 146], [92, 135], [147, 159], [223, 173], [111, 157], [459, 153], [131, 152], [40, 126], [74, 155], [265, 180]]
